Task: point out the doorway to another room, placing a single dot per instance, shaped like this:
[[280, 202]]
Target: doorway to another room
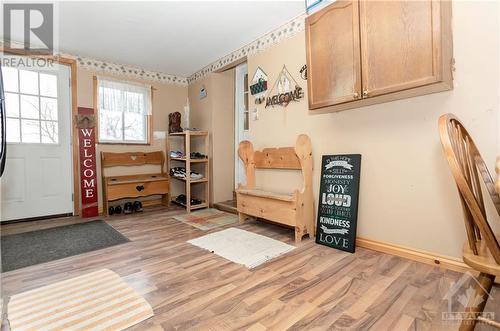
[[241, 127]]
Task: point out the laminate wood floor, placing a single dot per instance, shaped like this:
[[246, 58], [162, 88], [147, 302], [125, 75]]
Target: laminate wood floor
[[312, 287]]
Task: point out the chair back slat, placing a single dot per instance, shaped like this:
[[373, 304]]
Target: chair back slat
[[467, 166], [277, 158], [130, 159]]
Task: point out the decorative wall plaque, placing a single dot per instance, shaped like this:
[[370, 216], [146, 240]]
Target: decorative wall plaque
[[338, 201], [285, 90], [88, 169]]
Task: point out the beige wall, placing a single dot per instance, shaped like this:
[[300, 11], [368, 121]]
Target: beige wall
[[215, 113], [407, 194], [167, 98]]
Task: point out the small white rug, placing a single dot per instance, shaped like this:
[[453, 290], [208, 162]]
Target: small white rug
[[242, 247], [99, 300]]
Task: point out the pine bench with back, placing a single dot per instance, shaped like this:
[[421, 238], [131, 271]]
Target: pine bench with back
[[134, 186], [294, 210]]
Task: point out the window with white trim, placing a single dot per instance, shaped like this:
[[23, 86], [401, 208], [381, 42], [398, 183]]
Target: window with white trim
[[124, 110], [31, 106]]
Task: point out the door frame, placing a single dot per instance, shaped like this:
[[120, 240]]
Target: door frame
[[74, 111], [239, 134], [74, 130]]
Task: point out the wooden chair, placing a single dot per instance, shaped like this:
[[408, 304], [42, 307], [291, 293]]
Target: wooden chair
[[295, 210], [482, 250]]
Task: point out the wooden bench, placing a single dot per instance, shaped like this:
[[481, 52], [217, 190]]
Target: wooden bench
[[133, 186], [296, 209]]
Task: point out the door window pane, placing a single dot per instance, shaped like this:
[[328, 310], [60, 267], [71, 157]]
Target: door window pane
[[12, 104], [48, 85], [49, 132], [48, 109], [29, 106], [30, 131], [28, 81], [13, 130], [31, 118], [10, 79]]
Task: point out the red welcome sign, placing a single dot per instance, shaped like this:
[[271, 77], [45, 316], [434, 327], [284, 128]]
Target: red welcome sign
[[88, 173]]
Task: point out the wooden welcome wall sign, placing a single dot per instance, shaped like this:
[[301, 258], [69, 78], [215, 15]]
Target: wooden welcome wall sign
[[285, 90], [85, 123], [338, 201]]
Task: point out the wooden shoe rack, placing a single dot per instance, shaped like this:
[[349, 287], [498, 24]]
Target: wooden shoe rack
[[193, 141]]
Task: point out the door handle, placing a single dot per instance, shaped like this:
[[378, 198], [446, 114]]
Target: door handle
[[139, 188]]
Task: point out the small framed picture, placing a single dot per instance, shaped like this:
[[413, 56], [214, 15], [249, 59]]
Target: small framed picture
[[203, 92]]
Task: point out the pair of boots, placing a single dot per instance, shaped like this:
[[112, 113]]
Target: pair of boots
[[128, 208]]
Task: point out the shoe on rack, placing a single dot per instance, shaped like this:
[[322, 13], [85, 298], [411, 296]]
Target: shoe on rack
[[178, 172], [176, 154], [197, 155], [111, 211], [181, 198], [118, 209], [195, 175], [195, 202]]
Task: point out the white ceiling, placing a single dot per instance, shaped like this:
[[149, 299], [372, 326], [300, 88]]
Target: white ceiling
[[175, 37]]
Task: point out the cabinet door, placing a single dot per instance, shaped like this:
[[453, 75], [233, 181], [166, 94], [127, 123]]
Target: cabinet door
[[333, 55], [400, 45]]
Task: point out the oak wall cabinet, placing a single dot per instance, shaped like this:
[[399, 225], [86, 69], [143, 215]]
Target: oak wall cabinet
[[361, 53]]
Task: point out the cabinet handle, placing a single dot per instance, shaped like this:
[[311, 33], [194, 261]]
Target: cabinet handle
[[355, 95], [365, 93]]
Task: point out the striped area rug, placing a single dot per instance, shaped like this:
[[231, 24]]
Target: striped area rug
[[207, 219], [99, 300]]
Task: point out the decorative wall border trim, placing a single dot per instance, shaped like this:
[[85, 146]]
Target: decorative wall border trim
[[129, 71], [124, 70], [434, 259], [285, 31]]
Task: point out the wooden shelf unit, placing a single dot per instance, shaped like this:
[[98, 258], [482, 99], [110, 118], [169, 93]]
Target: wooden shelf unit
[[187, 143]]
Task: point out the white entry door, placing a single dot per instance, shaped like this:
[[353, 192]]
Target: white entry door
[[38, 173], [242, 119]]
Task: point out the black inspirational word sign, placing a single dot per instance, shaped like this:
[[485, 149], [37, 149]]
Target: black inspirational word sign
[[338, 201]]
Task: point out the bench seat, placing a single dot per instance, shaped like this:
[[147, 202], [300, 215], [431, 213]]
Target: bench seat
[[115, 180], [267, 194]]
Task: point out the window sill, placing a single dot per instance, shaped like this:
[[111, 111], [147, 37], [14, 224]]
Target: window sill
[[123, 143]]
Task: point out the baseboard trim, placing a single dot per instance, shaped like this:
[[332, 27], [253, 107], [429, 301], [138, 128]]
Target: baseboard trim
[[446, 262], [38, 218]]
